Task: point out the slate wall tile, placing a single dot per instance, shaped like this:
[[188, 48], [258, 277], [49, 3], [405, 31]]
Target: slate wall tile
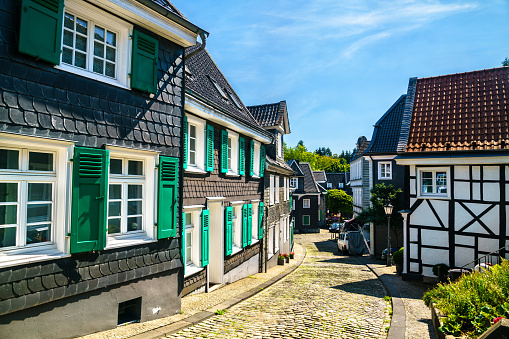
[[48, 281], [6, 291], [20, 288]]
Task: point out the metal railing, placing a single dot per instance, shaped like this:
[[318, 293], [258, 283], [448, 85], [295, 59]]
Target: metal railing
[[489, 259]]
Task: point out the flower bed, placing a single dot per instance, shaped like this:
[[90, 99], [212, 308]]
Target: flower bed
[[472, 303]]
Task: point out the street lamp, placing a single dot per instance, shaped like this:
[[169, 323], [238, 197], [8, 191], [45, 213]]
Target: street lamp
[[388, 211]]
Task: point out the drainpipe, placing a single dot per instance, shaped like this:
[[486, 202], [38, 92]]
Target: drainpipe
[[202, 46]]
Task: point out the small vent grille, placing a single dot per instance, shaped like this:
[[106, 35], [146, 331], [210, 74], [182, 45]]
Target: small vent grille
[[90, 165], [147, 46], [206, 221], [52, 5], [168, 171], [229, 216]]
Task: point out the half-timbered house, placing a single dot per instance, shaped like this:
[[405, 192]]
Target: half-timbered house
[[457, 155]]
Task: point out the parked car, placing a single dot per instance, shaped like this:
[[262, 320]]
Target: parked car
[[334, 228], [343, 245], [384, 252]]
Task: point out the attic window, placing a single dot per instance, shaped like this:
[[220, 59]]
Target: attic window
[[234, 101], [219, 89], [188, 73]]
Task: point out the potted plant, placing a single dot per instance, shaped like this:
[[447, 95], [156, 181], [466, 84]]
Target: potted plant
[[441, 270], [292, 255], [280, 259], [397, 257], [287, 257]]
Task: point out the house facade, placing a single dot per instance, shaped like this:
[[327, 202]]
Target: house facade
[[359, 177], [308, 201], [90, 137], [338, 181], [224, 170], [277, 200], [456, 155]]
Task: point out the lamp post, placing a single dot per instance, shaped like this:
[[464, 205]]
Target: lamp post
[[388, 211]]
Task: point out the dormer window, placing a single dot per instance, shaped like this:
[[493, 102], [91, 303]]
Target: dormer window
[[234, 101], [216, 85]]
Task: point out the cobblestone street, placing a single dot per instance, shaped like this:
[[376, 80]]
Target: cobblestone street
[[328, 296]]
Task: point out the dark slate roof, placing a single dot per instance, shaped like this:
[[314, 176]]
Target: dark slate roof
[[294, 165], [319, 176], [387, 130], [362, 145], [310, 185], [202, 70], [269, 115], [169, 7], [321, 188], [465, 111], [278, 163]]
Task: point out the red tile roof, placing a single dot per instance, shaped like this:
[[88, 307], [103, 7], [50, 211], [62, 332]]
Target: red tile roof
[[465, 111]]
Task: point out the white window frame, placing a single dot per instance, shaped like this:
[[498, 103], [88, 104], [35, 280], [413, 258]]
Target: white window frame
[[279, 145], [277, 237], [233, 169], [433, 170], [256, 161], [306, 203], [200, 125], [148, 180], [271, 190], [236, 226], [270, 240], [276, 191], [294, 182], [384, 165], [60, 177], [340, 185], [254, 220], [124, 31], [193, 229], [285, 189], [329, 185], [293, 205]]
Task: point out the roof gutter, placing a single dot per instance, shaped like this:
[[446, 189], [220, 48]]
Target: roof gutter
[[202, 46], [170, 15]]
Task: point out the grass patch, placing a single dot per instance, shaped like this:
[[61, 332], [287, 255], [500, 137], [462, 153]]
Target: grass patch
[[472, 302], [220, 312]]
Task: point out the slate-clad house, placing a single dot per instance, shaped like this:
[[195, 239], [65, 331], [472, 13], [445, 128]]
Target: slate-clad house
[[308, 199], [321, 181], [277, 200], [389, 132], [90, 150], [458, 168], [224, 168], [359, 177], [338, 181]]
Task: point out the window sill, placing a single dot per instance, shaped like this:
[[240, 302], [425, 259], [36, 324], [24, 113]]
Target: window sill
[[195, 170], [384, 178], [434, 196], [91, 75], [254, 241], [24, 256], [232, 174], [127, 240], [254, 176], [192, 269], [236, 249]]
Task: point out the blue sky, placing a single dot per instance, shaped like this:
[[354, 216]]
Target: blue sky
[[340, 64]]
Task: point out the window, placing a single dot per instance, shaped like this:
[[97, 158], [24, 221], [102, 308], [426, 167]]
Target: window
[[433, 182], [271, 190], [237, 226], [305, 220], [306, 203], [32, 197], [195, 144], [277, 237], [276, 191], [384, 170], [131, 195], [255, 158], [329, 185], [270, 241], [293, 182], [293, 205], [279, 146], [340, 185], [95, 44], [230, 153], [192, 222], [254, 217]]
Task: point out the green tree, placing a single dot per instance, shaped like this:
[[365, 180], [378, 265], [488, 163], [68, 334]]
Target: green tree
[[505, 62], [339, 201], [381, 195], [324, 151], [318, 162]]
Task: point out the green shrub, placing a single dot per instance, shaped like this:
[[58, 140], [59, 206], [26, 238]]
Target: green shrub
[[397, 257], [473, 301]]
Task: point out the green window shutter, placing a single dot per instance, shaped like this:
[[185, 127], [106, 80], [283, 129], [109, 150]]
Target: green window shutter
[[249, 234], [210, 149], [291, 232], [204, 238], [262, 160], [244, 225], [167, 199], [319, 215], [260, 221], [40, 32], [186, 140], [305, 220], [144, 62], [251, 163], [224, 151], [228, 225], [291, 202], [89, 199], [242, 155], [183, 249]]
